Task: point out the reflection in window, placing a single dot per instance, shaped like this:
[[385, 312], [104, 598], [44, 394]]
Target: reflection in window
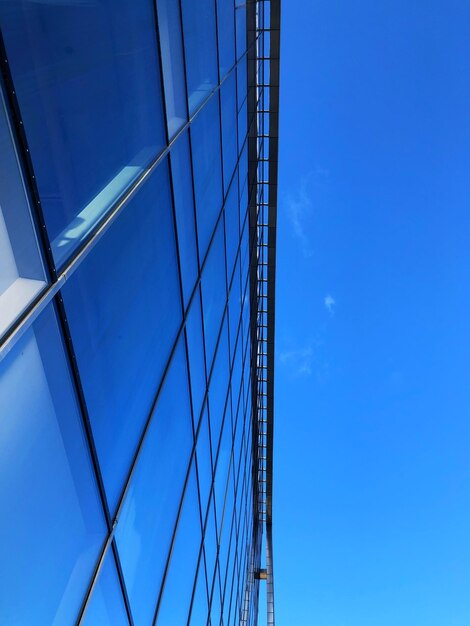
[[226, 35], [213, 293], [228, 101], [207, 167], [197, 367], [201, 49], [179, 582], [87, 81], [199, 607], [171, 45], [124, 311], [147, 520], [184, 209], [21, 271], [51, 521], [106, 605]]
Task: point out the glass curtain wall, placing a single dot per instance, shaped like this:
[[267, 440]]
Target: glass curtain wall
[[126, 443]]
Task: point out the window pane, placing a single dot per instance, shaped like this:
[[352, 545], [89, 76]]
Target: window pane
[[21, 271], [232, 235], [204, 461], [214, 293], [171, 44], [148, 517], [218, 389], [205, 142], [87, 82], [240, 16], [179, 583], [184, 208], [124, 311], [106, 606], [199, 609], [51, 520], [226, 27], [241, 82], [242, 123], [210, 543], [200, 48], [228, 98], [197, 367]]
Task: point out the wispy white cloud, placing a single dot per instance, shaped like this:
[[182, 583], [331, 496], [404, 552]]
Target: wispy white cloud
[[299, 205], [330, 303], [298, 361]]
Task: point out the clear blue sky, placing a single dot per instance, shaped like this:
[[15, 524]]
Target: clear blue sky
[[372, 458]]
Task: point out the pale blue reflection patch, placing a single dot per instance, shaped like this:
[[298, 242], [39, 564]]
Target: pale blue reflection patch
[[89, 216], [51, 522]]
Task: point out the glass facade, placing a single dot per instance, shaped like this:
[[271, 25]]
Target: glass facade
[[134, 290]]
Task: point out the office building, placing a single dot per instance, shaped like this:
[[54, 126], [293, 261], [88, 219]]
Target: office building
[[138, 189]]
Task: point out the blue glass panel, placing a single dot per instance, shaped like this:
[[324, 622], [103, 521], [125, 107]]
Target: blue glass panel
[[222, 468], [51, 525], [218, 388], [232, 236], [124, 311], [214, 292], [197, 368], [235, 304], [240, 17], [177, 592], [171, 45], [200, 609], [242, 123], [228, 100], [242, 83], [226, 28], [204, 461], [147, 520], [215, 603], [225, 540], [184, 208], [205, 142], [88, 85], [201, 49], [210, 543], [106, 605]]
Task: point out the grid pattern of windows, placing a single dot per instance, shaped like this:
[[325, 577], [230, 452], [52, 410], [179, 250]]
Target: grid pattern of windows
[[129, 429]]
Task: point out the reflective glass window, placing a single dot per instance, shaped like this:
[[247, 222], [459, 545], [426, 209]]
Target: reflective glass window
[[124, 311], [242, 83], [197, 368], [22, 273], [228, 102], [201, 49], [199, 608], [242, 123], [171, 46], [106, 606], [51, 523], [177, 592], [210, 543], [87, 81], [222, 468], [215, 603], [234, 305], [204, 461], [184, 209], [226, 28], [240, 17], [218, 389], [214, 293], [147, 520], [232, 236], [207, 167]]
